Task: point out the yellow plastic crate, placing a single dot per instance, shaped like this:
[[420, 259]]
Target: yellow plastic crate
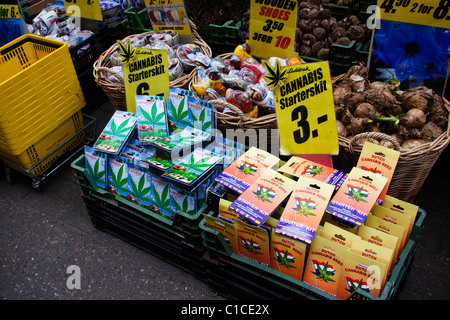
[[40, 90], [40, 151]]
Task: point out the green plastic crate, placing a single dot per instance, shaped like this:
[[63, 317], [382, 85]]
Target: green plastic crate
[[183, 223], [219, 250], [224, 38], [137, 21]]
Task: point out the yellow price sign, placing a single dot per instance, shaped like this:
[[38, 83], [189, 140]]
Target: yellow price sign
[[145, 73], [304, 108], [169, 15], [9, 11], [272, 28], [89, 9], [435, 13]]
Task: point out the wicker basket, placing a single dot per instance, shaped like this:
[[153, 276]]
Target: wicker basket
[[413, 165], [115, 90]]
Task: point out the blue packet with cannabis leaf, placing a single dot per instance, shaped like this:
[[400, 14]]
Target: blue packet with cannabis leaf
[[117, 180], [160, 198], [96, 165], [182, 201], [201, 115], [177, 109], [139, 185], [151, 118], [116, 132]]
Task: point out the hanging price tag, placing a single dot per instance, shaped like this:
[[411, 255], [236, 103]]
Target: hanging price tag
[[305, 108], [145, 72], [272, 28], [89, 9], [434, 13]]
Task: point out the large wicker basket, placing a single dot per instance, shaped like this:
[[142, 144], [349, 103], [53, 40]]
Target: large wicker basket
[[115, 90], [413, 165]]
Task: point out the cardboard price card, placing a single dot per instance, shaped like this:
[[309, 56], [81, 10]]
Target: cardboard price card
[[304, 107], [168, 15], [272, 28], [425, 12], [145, 72], [89, 9], [10, 21]]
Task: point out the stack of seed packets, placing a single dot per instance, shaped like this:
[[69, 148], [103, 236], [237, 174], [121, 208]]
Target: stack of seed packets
[[116, 132], [151, 118]]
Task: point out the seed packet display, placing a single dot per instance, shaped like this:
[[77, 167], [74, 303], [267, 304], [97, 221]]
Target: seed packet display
[[375, 253], [187, 137], [225, 211], [379, 160], [116, 132], [263, 197], [182, 201], [323, 266], [243, 172], [139, 185], [287, 255], [356, 197], [338, 235], [304, 209], [151, 118], [96, 165], [118, 170], [159, 161], [160, 198], [361, 273], [201, 114], [395, 218], [190, 168], [177, 109], [225, 228], [300, 167], [379, 238], [402, 207], [253, 242]]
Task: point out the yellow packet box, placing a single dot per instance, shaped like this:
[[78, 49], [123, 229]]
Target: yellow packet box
[[225, 211], [323, 266], [356, 197], [394, 217], [375, 253], [402, 207], [338, 235], [304, 209], [379, 160], [227, 230], [389, 228], [287, 255], [253, 242], [379, 238]]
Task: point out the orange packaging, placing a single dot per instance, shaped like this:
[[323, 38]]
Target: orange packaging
[[225, 211], [323, 267], [356, 197], [379, 238], [287, 255], [243, 172], [304, 209], [363, 273], [301, 167], [263, 197], [227, 230], [253, 242], [375, 253], [379, 160]]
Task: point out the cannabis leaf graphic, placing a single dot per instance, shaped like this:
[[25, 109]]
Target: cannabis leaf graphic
[[178, 115], [126, 53], [359, 286], [117, 181], [323, 273], [139, 192], [200, 122], [163, 201], [251, 247], [152, 119], [275, 76], [264, 195], [313, 170], [184, 207], [95, 173], [246, 168], [119, 131], [305, 208], [358, 195], [285, 259]]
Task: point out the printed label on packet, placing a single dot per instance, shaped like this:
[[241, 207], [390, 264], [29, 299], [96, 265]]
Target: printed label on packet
[[253, 242], [225, 228], [356, 197], [239, 175], [300, 167], [304, 210], [263, 197]]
